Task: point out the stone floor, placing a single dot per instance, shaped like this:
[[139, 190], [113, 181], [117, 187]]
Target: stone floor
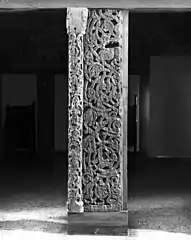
[[134, 235], [32, 196], [145, 234], [160, 194], [34, 201], [29, 235]]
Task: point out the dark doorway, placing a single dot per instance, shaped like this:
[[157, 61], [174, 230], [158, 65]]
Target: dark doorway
[[19, 114], [20, 128]]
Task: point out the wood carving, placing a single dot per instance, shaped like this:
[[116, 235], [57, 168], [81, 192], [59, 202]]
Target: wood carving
[[76, 25], [102, 155]]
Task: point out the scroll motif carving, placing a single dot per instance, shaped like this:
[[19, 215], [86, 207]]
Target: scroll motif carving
[[76, 23], [102, 111]]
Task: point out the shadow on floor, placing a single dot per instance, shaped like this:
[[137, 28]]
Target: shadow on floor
[[27, 184], [159, 193]]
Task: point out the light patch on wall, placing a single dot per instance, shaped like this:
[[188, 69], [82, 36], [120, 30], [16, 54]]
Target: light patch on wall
[[170, 86], [147, 105], [145, 118]]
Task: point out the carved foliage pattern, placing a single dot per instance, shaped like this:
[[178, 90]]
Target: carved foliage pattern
[[75, 107], [75, 116], [101, 112]]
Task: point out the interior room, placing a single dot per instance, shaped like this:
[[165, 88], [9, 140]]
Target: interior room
[[159, 156], [33, 86], [34, 115]]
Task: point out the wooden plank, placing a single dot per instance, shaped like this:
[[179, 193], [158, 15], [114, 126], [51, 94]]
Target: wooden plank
[[98, 218], [123, 4], [125, 104], [100, 223]]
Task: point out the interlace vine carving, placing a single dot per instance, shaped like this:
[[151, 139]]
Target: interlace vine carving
[[76, 23], [101, 112]]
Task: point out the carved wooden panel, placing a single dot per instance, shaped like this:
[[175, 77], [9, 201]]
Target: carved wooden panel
[[102, 110], [76, 24]]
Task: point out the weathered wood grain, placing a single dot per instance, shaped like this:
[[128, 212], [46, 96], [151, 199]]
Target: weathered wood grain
[[124, 73], [110, 223], [123, 4]]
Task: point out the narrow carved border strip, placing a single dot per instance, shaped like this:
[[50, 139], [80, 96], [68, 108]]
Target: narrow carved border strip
[[76, 25]]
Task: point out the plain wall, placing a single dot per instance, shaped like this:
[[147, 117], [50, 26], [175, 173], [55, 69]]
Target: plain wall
[[21, 89], [18, 89], [133, 88], [169, 132], [61, 112]]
